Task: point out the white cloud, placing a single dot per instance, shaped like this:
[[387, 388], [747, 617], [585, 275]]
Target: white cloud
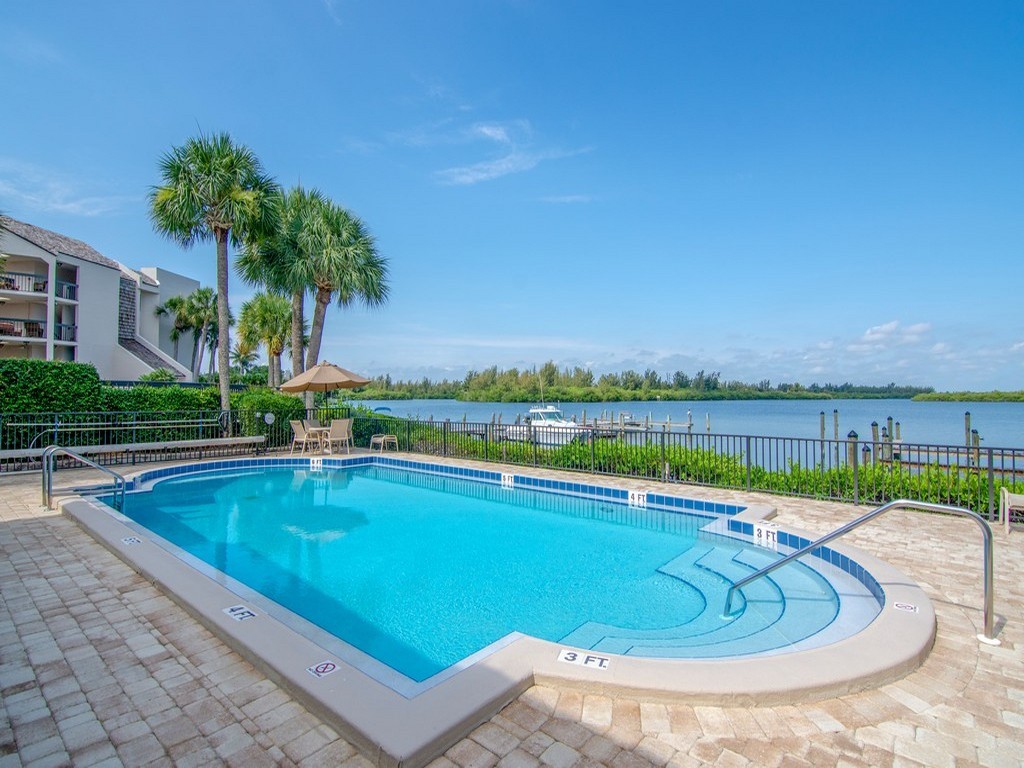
[[879, 337], [494, 132], [331, 6], [39, 190], [514, 162], [26, 48], [517, 162]]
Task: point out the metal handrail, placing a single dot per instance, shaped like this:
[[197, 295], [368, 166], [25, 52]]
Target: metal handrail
[[48, 467], [986, 532]]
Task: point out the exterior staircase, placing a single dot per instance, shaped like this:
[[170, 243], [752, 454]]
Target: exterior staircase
[[150, 358]]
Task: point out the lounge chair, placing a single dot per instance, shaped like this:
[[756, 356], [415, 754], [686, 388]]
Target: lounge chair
[[300, 435], [1008, 502], [341, 432]]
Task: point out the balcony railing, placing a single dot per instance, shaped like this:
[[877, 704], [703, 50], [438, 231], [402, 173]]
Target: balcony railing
[[26, 329], [67, 290], [65, 332], [21, 281]]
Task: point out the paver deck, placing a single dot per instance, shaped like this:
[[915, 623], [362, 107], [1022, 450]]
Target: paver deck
[[98, 667]]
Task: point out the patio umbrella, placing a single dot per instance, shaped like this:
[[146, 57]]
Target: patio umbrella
[[324, 377]]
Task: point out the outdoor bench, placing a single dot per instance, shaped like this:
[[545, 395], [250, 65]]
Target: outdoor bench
[[255, 441], [59, 432]]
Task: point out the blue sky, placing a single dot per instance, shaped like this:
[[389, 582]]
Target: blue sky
[[793, 191]]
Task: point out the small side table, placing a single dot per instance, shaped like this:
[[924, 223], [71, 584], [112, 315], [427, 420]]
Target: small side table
[[383, 441]]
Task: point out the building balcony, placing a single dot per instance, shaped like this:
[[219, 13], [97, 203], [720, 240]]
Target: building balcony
[[67, 291], [65, 332], [22, 329], [23, 282]]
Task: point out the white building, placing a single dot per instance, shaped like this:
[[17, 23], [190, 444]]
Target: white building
[[60, 299]]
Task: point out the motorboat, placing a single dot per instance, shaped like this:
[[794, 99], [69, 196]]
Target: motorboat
[[547, 425]]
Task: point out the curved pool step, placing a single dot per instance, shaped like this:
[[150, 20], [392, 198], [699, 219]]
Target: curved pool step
[[721, 569], [808, 606], [762, 621]]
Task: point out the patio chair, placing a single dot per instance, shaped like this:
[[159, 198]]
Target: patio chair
[[300, 435], [341, 432], [382, 441], [1008, 502]]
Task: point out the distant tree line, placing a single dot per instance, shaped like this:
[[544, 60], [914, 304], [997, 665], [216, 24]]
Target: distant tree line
[[581, 385]]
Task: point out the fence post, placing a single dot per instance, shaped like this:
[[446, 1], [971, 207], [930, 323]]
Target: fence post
[[851, 457], [991, 486], [444, 437], [747, 452], [593, 448], [664, 431]]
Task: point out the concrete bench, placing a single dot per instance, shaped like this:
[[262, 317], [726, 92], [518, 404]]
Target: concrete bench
[[255, 441]]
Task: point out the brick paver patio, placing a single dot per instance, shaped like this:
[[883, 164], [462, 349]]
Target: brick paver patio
[[99, 668]]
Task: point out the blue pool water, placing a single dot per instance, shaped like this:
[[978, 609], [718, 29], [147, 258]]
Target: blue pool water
[[419, 570]]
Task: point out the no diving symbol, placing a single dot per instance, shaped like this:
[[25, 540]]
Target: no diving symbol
[[322, 669]]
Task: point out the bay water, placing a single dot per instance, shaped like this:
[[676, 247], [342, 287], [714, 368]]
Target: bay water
[[999, 425]]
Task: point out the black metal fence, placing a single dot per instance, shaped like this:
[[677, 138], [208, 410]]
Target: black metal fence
[[861, 471]]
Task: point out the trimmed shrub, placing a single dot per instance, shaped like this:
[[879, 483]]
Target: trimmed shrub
[[160, 399], [38, 386], [261, 400], [160, 374]]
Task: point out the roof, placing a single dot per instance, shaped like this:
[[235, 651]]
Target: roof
[[139, 277], [57, 244]]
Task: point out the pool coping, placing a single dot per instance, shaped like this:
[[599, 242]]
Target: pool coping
[[393, 730]]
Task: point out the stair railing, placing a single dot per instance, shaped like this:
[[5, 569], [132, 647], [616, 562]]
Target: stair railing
[[49, 455], [986, 532]]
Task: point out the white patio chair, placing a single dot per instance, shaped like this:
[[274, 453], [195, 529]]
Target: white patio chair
[[300, 435], [341, 433], [1008, 502]]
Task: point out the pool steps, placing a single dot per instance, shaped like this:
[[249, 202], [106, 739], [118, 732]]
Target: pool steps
[[764, 617]]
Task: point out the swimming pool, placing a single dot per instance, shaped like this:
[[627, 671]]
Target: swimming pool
[[422, 567], [396, 720]]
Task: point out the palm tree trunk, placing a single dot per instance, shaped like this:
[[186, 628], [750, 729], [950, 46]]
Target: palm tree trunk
[[316, 330], [197, 357], [298, 316], [277, 370], [223, 320]]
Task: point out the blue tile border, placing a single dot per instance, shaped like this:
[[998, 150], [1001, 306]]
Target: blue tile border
[[660, 501], [825, 554]]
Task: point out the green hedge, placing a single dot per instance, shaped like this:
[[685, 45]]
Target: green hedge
[[145, 398], [34, 386], [260, 400]]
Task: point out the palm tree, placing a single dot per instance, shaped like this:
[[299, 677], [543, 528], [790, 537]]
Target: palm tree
[[278, 261], [266, 319], [342, 264], [175, 307], [214, 190], [202, 310], [213, 337], [243, 355]]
